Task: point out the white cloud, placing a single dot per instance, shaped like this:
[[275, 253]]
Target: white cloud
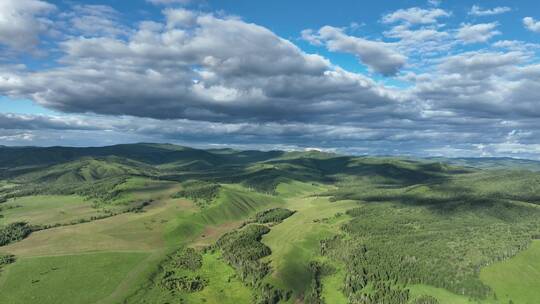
[[168, 2], [218, 69], [476, 33], [415, 15], [532, 24], [516, 45], [21, 22], [514, 149], [310, 36], [179, 17], [478, 11], [481, 62], [17, 137], [482, 84], [423, 41], [379, 56]]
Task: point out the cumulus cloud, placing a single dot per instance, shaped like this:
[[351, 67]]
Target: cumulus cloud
[[210, 68], [379, 56], [21, 22], [476, 33], [180, 17], [418, 32], [415, 15], [478, 11], [482, 84], [531, 24], [483, 62]]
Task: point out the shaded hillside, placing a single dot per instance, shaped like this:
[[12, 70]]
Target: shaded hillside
[[148, 153], [492, 163], [63, 169], [87, 169]]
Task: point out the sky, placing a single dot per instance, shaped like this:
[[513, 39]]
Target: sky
[[413, 78]]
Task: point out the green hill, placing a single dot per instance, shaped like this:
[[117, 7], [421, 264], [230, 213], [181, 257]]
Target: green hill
[[86, 169], [350, 230]]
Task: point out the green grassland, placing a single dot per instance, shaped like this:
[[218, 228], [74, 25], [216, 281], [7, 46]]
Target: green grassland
[[47, 209], [516, 279], [38, 279], [444, 296], [269, 227]]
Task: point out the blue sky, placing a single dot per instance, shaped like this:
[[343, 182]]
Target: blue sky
[[421, 78]]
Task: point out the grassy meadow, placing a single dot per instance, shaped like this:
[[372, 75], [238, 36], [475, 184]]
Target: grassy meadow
[[47, 209], [516, 279], [81, 277]]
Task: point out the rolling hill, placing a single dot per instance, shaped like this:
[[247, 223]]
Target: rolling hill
[[155, 223]]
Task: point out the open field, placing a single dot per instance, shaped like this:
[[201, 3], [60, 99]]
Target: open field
[[83, 278], [141, 231], [444, 296], [47, 210], [331, 288], [516, 279]]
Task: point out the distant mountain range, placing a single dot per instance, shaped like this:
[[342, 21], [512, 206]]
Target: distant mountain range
[[161, 154], [491, 162]]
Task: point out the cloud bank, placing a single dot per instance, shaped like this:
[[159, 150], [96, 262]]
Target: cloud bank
[[203, 78]]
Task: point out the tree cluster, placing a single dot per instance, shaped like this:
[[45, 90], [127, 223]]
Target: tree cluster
[[14, 232], [179, 272], [200, 192], [274, 215], [243, 250]]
